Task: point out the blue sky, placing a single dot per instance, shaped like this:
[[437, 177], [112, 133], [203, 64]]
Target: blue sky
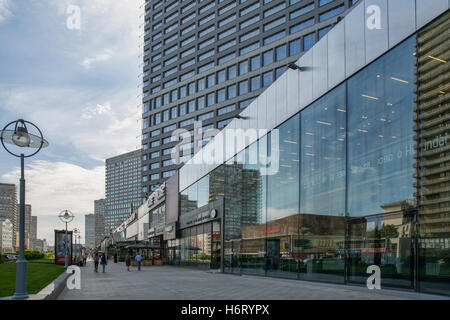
[[81, 87]]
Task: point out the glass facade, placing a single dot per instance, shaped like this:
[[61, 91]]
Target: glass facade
[[362, 179]]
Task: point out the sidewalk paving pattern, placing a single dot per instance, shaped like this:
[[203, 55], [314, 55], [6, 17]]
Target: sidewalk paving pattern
[[181, 283]]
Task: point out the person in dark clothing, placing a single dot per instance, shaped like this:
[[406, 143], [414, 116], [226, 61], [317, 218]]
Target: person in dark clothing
[[96, 262], [103, 261], [115, 257]]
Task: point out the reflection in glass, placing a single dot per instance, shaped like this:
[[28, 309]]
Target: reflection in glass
[[433, 179], [380, 132], [283, 200], [323, 137], [321, 229], [386, 241]]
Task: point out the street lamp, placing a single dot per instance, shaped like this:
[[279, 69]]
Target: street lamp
[[76, 232], [20, 137], [66, 216]]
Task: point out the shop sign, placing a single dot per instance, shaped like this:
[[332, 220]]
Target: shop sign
[[130, 219], [170, 232], [157, 195], [201, 217], [159, 230]]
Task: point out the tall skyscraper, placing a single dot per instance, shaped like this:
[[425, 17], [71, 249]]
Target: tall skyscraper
[[208, 60], [6, 235], [33, 232], [99, 212], [89, 230], [28, 242], [123, 187], [8, 207]]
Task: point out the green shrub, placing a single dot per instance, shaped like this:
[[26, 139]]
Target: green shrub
[[2, 259], [34, 254], [49, 255]]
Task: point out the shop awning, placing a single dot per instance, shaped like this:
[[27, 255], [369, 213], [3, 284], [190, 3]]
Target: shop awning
[[143, 246]]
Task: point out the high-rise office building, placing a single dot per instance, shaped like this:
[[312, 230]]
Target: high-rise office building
[[28, 242], [99, 212], [123, 187], [89, 230], [33, 232], [207, 60], [8, 207]]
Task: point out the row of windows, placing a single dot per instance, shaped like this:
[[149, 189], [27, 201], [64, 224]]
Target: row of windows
[[232, 43], [292, 48], [242, 87]]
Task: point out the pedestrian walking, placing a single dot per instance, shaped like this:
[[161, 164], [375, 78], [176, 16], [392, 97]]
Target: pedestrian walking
[[138, 259], [115, 257], [128, 261], [96, 262], [84, 259], [103, 261]]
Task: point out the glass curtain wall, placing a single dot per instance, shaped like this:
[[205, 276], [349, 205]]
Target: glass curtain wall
[[433, 161], [370, 160], [381, 160], [253, 220], [322, 192], [283, 200]]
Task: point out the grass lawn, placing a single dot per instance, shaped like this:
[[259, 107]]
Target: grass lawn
[[39, 276]]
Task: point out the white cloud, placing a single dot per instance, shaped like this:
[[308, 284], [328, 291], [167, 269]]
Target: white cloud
[[93, 126], [105, 55], [98, 110], [5, 10], [53, 187]]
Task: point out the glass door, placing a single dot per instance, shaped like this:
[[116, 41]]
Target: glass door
[[215, 245]]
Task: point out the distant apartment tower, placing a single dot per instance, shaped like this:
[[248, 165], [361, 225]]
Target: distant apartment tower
[[6, 235], [41, 245], [123, 187], [207, 60], [28, 241], [8, 207], [99, 213], [33, 232], [89, 230]]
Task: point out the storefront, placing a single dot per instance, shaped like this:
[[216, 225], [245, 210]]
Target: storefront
[[156, 206], [199, 237]]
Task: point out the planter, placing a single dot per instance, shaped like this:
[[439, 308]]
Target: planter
[[158, 263], [147, 262]]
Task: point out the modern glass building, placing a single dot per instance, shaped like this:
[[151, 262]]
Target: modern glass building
[[354, 170], [208, 59]]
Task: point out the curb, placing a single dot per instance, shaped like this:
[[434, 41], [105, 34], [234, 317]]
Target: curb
[[51, 291]]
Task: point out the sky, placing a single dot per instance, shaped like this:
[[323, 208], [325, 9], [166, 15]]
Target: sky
[[81, 87]]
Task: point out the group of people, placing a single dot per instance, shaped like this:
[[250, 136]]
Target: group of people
[[103, 260]]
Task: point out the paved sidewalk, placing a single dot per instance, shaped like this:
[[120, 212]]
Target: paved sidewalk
[[181, 283]]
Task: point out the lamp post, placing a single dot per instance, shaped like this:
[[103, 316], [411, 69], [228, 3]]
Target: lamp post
[[66, 216], [76, 231], [21, 138]]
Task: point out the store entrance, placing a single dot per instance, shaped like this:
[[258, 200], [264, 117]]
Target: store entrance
[[385, 240]]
